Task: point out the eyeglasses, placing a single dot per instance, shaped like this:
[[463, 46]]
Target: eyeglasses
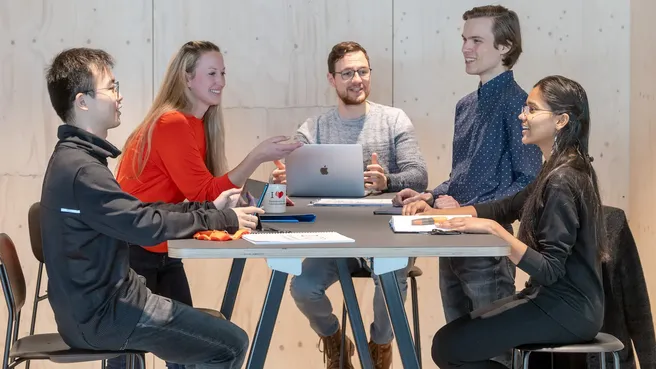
[[529, 110], [113, 88], [348, 74]]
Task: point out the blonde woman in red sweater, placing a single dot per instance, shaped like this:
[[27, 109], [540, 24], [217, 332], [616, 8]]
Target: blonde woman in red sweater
[[178, 153]]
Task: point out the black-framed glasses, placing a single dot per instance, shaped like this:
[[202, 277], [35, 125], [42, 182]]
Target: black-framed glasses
[[529, 110], [348, 74]]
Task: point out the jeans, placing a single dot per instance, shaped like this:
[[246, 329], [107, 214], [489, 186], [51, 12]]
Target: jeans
[[309, 293], [178, 333], [471, 283], [164, 276], [470, 341]]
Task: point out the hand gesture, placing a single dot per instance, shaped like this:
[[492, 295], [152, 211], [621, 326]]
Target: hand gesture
[[417, 207], [445, 202], [246, 217], [408, 196], [273, 149], [279, 174], [374, 177], [227, 199]]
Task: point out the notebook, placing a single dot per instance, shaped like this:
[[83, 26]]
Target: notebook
[[296, 237], [426, 223], [352, 202]]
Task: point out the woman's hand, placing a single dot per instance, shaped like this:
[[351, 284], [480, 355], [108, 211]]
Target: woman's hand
[[470, 225]]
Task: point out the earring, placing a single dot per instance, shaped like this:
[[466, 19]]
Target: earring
[[555, 144]]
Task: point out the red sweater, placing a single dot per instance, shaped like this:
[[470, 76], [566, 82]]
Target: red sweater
[[175, 169]]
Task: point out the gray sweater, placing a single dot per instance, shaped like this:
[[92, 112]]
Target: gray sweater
[[384, 130]]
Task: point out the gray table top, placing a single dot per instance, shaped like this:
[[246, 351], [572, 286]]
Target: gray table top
[[372, 234]]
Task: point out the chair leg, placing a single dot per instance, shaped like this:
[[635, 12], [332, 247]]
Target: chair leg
[[415, 318], [512, 358], [602, 359], [342, 347], [526, 356], [103, 364], [35, 305], [616, 360]]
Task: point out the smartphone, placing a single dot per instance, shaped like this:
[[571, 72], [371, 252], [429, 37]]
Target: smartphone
[[252, 194]]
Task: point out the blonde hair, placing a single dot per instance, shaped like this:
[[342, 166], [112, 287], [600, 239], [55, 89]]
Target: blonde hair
[[174, 95]]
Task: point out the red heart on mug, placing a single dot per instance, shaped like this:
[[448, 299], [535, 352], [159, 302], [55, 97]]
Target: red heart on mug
[[280, 194]]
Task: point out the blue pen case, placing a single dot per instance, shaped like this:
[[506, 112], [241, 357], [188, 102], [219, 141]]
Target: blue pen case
[[287, 218]]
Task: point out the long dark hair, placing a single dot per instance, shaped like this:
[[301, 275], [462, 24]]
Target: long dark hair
[[570, 150]]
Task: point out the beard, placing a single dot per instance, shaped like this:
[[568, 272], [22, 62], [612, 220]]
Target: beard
[[347, 100]]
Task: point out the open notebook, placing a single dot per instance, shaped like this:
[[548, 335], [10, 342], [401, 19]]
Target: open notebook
[[296, 237], [418, 223]]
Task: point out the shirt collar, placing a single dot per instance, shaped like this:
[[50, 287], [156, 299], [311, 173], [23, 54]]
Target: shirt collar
[[496, 84]]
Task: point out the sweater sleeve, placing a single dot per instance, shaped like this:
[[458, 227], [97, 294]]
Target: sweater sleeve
[[412, 167], [109, 210], [173, 140]]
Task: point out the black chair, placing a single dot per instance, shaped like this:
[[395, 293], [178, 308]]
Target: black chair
[[48, 346], [602, 344], [413, 273]]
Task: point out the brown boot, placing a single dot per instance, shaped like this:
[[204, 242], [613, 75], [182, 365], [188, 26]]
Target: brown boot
[[331, 350], [381, 355]]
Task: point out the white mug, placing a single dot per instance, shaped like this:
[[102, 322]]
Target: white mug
[[275, 199]]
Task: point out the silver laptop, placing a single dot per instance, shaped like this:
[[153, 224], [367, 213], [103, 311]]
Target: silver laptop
[[326, 170]]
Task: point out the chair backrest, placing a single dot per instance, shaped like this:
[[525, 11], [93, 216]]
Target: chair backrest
[[34, 224], [13, 279]]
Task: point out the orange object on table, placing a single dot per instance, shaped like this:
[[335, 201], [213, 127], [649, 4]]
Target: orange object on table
[[220, 235]]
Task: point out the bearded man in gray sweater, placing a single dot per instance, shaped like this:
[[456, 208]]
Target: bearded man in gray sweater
[[392, 161]]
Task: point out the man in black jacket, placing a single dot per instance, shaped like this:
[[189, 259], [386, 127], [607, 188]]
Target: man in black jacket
[[88, 221]]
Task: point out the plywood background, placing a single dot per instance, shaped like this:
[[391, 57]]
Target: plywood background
[[275, 53]]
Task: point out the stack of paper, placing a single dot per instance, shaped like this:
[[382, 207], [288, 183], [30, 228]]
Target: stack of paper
[[296, 237], [418, 223], [352, 202]]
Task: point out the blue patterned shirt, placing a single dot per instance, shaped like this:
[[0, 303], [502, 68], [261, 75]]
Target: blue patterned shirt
[[490, 161]]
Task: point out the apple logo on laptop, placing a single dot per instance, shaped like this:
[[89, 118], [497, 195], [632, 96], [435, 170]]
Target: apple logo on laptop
[[324, 170]]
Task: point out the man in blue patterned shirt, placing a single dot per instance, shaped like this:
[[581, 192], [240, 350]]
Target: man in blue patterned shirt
[[489, 160]]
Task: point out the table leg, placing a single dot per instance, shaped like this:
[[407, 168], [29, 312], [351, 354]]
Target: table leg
[[232, 287], [399, 320], [355, 316], [264, 330]]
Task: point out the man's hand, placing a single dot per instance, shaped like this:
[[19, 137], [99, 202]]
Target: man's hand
[[246, 217], [417, 207], [408, 196], [279, 174], [445, 202], [374, 177], [227, 199]]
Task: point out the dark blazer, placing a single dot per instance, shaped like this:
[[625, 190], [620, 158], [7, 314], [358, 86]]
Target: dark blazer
[[628, 311]]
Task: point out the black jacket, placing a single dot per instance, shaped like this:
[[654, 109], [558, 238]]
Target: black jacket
[[87, 222], [628, 310], [566, 273]]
